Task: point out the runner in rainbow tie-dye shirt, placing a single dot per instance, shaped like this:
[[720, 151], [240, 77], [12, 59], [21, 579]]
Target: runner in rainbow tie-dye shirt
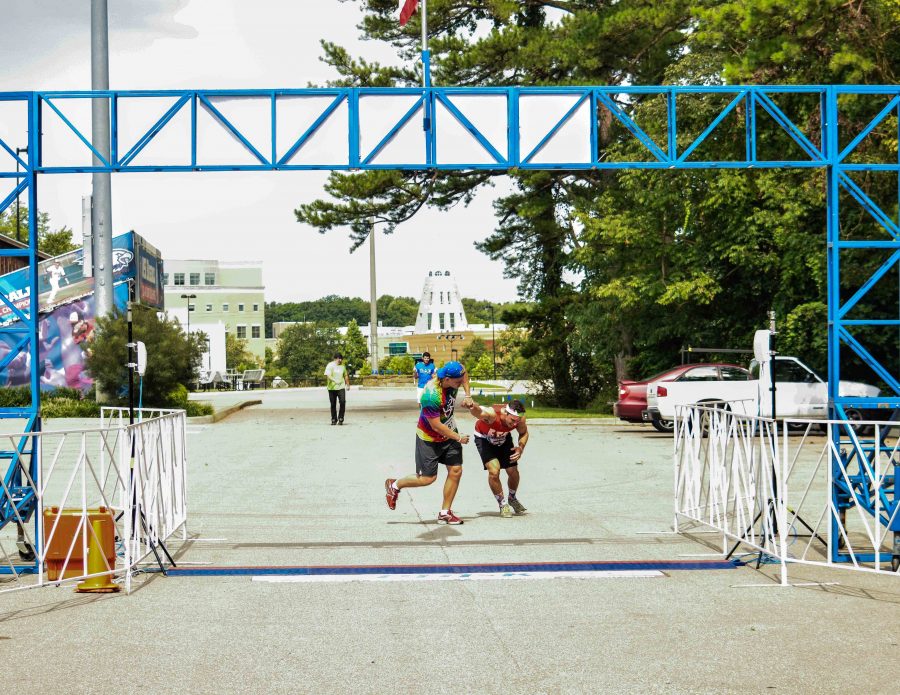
[[437, 440]]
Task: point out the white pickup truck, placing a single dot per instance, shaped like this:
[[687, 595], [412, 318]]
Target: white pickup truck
[[799, 392]]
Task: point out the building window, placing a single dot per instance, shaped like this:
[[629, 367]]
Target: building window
[[254, 331], [209, 307], [242, 332], [195, 278], [165, 278], [452, 322], [429, 321], [256, 307], [225, 306], [209, 279], [240, 307], [442, 297], [179, 278], [441, 319]]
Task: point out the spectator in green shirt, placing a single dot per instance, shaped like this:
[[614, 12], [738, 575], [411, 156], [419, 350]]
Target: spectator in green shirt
[[337, 381]]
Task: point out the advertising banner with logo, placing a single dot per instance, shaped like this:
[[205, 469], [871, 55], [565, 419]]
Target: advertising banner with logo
[[66, 326]]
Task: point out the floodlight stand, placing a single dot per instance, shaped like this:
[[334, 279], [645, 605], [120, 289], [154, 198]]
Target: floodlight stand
[[770, 505], [132, 366]]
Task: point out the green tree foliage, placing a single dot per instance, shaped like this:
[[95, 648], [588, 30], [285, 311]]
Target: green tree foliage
[[273, 368], [53, 242], [306, 348], [479, 310], [623, 269], [397, 364], [592, 43], [237, 356], [172, 358], [482, 368], [473, 352], [340, 311], [355, 350]]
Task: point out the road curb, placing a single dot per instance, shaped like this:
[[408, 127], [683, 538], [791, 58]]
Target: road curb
[[220, 415]]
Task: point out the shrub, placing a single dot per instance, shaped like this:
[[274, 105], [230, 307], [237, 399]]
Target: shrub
[[177, 397], [68, 407], [197, 408]]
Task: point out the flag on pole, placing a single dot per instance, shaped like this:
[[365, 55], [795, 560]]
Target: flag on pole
[[407, 8]]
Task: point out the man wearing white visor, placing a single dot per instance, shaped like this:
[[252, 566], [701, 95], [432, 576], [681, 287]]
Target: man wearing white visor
[[494, 443]]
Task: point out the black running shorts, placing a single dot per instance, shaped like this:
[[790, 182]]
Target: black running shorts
[[501, 452], [430, 454]]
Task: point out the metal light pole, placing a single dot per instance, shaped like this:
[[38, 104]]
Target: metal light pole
[[101, 222], [373, 301], [493, 342], [189, 297], [19, 150]]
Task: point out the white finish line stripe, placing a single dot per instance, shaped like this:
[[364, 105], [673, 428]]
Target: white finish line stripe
[[450, 576]]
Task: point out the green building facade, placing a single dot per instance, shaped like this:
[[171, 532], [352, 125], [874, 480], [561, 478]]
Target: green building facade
[[228, 292]]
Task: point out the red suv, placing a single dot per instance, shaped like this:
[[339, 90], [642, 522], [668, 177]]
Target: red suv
[[632, 403]]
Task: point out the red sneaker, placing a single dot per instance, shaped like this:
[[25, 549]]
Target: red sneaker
[[449, 517], [390, 494]]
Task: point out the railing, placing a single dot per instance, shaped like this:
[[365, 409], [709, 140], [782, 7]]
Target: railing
[[136, 473], [788, 492]]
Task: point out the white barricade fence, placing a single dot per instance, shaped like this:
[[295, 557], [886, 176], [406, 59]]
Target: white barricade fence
[[134, 476], [767, 485]]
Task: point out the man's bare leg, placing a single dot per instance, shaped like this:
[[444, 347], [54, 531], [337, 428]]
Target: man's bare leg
[[451, 485], [493, 469], [512, 477], [415, 481]]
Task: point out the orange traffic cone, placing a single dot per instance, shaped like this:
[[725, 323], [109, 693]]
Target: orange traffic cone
[[96, 564]]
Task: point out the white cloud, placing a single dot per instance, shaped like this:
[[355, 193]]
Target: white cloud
[[185, 44]]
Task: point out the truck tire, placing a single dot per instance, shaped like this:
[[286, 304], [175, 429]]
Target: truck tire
[[664, 426], [854, 415]]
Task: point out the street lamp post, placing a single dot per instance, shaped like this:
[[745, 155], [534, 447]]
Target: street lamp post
[[189, 297], [493, 343], [19, 150]]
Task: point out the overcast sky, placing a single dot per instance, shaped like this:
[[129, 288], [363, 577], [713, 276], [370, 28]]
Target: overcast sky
[[200, 44]]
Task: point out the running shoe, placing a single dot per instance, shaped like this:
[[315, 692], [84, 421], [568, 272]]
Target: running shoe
[[506, 511], [449, 517], [390, 494], [517, 506]]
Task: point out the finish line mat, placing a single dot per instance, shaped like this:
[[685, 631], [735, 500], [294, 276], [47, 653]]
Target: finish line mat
[[450, 571]]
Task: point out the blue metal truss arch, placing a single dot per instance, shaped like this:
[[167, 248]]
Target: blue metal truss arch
[[459, 128]]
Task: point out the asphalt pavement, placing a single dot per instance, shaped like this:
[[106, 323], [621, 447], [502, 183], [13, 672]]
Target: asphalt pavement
[[276, 486]]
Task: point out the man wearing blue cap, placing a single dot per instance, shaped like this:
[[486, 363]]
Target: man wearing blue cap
[[437, 440]]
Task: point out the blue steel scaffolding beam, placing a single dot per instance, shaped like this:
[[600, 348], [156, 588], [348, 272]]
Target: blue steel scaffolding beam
[[434, 128]]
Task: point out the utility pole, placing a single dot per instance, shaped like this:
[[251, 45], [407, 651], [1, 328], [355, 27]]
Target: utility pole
[[101, 220], [373, 302], [493, 343]]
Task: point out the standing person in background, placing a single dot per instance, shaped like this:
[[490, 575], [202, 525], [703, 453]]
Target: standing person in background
[[337, 381], [422, 373]]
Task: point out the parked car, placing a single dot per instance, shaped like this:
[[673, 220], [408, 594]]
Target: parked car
[[801, 393], [632, 403]]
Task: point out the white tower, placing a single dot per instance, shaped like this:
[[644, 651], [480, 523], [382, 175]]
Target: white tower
[[440, 309]]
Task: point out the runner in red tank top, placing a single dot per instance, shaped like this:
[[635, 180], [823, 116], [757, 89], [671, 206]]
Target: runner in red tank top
[[494, 443]]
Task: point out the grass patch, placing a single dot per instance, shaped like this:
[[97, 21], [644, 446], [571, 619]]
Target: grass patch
[[536, 409]]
